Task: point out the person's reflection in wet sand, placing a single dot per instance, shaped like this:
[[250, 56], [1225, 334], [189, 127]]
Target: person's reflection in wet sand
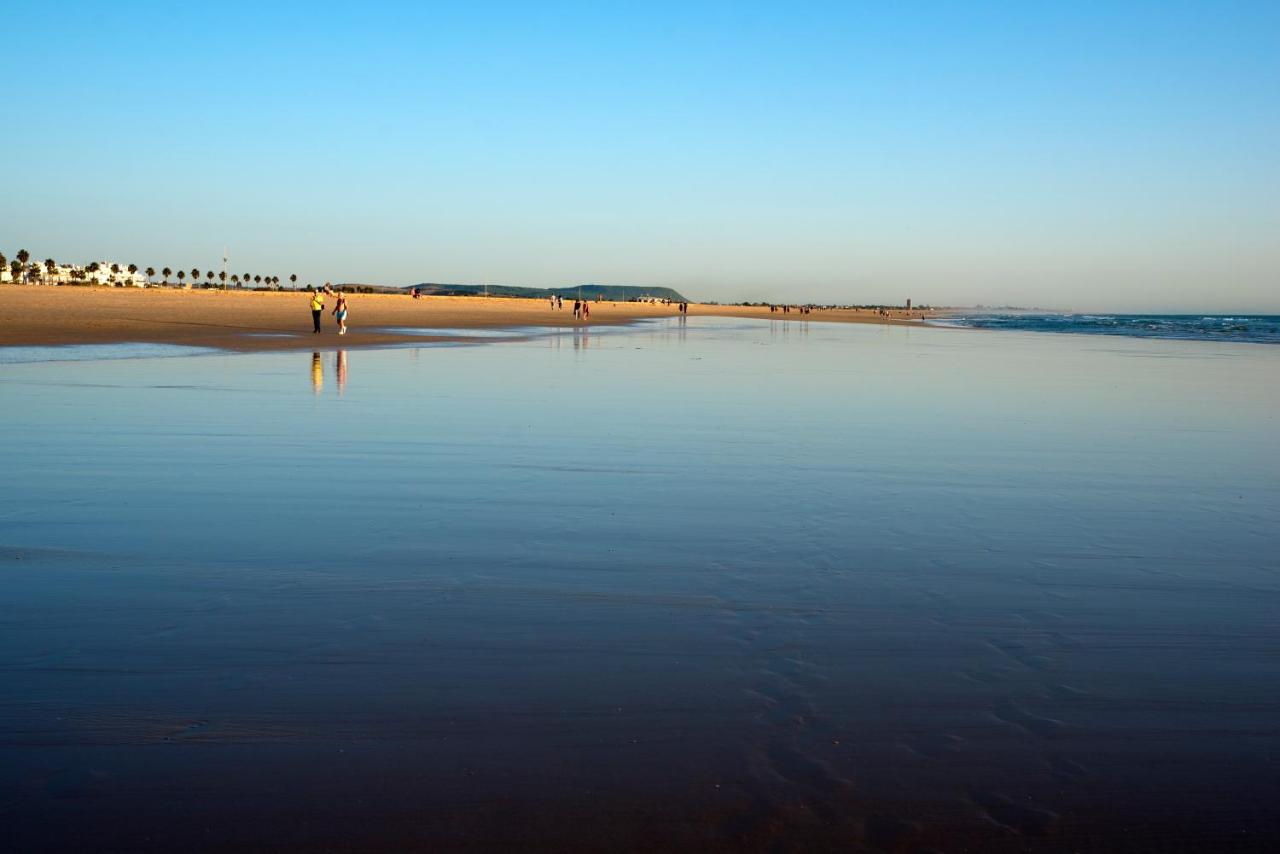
[[340, 363], [317, 373]]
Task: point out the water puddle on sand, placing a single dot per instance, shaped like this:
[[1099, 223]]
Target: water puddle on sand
[[510, 332], [97, 352]]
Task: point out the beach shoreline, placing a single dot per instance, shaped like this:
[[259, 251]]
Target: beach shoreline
[[252, 321]]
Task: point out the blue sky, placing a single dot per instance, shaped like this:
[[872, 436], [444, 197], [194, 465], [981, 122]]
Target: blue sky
[[1076, 155]]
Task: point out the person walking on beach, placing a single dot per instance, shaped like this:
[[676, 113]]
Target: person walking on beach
[[586, 310], [577, 308], [340, 312], [317, 308]]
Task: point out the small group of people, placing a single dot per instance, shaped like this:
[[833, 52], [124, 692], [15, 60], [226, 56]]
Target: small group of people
[[581, 307], [683, 308], [317, 307], [787, 309]]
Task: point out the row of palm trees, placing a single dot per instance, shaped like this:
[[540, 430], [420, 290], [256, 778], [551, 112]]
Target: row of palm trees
[[22, 269]]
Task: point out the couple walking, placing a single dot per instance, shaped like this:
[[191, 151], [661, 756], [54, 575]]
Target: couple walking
[[339, 308]]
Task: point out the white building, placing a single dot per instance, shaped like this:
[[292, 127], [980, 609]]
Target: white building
[[104, 276], [63, 274]]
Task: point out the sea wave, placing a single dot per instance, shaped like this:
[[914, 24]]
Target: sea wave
[[1258, 329]]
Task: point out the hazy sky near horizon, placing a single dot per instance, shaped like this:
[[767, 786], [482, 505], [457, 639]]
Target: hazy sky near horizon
[[1114, 156]]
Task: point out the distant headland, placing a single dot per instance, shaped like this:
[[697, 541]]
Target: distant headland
[[613, 293]]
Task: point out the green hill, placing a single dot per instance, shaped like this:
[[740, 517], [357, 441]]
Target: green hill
[[613, 293]]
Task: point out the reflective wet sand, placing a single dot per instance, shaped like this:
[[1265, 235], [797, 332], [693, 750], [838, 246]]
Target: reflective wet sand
[[714, 585]]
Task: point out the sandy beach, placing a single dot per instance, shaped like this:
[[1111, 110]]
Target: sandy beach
[[281, 320]]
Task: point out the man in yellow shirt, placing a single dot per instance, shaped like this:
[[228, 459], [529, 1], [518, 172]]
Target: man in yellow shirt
[[317, 308]]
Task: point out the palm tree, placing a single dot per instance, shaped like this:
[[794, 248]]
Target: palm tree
[[182, 274], [245, 278], [151, 273], [4, 262], [257, 280], [50, 265], [235, 280], [23, 257], [222, 276], [209, 276], [15, 269], [293, 280], [133, 268], [166, 272]]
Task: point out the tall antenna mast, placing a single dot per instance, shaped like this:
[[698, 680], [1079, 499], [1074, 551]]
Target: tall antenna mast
[[224, 268]]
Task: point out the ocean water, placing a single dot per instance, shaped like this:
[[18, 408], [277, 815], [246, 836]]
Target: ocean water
[[703, 585], [1252, 328]]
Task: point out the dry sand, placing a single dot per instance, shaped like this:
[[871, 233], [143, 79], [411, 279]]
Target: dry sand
[[38, 315]]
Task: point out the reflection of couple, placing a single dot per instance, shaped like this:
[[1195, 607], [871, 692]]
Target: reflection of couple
[[317, 371]]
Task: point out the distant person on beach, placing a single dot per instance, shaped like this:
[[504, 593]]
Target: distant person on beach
[[340, 312], [317, 308], [416, 295], [577, 308], [586, 310]]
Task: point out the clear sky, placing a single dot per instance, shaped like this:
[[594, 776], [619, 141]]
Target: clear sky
[[1112, 155]]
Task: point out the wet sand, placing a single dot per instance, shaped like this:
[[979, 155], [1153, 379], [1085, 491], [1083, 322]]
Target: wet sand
[[715, 586], [260, 320]]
